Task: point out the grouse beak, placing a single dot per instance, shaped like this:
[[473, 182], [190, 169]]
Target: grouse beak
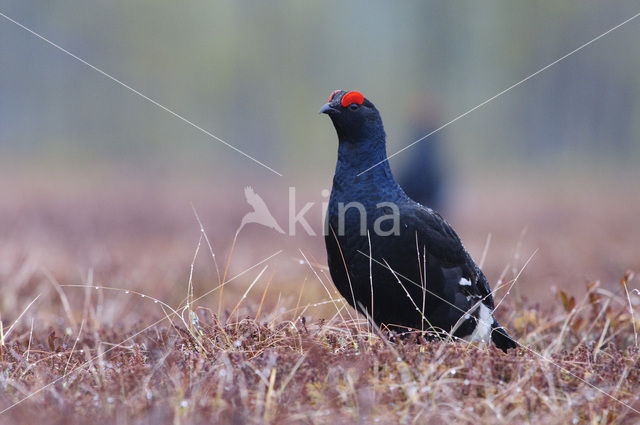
[[327, 109]]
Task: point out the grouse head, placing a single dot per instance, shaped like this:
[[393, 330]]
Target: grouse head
[[354, 117]]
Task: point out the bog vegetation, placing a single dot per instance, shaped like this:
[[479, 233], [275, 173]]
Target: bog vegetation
[[254, 344]]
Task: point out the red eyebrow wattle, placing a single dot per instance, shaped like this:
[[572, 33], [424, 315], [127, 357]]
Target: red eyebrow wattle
[[352, 97], [333, 94]]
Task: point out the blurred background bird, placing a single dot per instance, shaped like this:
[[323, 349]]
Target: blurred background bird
[[424, 175]]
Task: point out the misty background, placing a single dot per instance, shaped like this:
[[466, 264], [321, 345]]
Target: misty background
[[255, 75]]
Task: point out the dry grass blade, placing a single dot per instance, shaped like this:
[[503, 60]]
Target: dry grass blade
[[244, 296], [5, 335], [75, 342], [206, 238], [321, 282], [61, 294], [625, 283]]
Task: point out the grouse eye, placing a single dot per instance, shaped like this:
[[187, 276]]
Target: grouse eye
[[354, 106]]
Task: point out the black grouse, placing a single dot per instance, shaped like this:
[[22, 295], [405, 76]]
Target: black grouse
[[396, 261]]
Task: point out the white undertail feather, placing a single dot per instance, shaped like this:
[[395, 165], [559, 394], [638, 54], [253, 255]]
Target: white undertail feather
[[464, 282], [482, 332]]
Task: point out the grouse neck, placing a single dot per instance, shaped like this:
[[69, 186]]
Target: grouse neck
[[354, 157]]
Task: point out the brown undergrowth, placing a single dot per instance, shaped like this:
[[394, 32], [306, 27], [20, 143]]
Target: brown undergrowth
[[579, 365], [96, 327]]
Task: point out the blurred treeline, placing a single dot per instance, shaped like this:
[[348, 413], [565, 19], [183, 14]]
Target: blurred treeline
[[255, 74]]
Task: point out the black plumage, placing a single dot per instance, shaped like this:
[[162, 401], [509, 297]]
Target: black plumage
[[393, 259]]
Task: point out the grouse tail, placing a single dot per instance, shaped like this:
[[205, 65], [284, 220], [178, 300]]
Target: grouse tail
[[501, 337]]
